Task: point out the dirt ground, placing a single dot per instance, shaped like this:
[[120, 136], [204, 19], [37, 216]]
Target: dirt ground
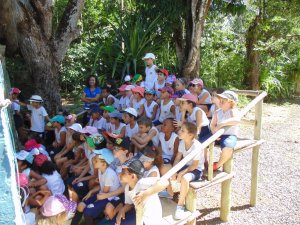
[[278, 200]]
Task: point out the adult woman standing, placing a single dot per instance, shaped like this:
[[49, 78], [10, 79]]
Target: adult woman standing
[[91, 94]]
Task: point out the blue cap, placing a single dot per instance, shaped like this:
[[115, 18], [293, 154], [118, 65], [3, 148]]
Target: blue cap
[[150, 91], [58, 119], [105, 154], [115, 114]]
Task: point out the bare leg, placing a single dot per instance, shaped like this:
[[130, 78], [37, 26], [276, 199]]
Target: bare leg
[[184, 188], [225, 156]]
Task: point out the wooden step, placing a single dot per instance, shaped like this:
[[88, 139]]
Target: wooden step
[[169, 207], [243, 144], [218, 178]]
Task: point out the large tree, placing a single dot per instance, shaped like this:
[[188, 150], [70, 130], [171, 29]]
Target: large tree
[[26, 28]]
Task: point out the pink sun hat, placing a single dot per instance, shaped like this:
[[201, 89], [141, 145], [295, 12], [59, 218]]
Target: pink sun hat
[[89, 130], [188, 97], [197, 81], [122, 88], [57, 204], [139, 90]]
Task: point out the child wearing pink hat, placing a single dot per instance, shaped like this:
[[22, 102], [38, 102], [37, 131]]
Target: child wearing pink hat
[[138, 99], [204, 97]]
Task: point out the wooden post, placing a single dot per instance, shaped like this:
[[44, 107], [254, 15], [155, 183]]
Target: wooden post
[[255, 152], [191, 203], [226, 193], [211, 161]]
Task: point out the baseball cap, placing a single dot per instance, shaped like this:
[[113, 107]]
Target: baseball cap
[[40, 159], [189, 97], [122, 88], [149, 56], [150, 91], [76, 127], [89, 130], [137, 77], [36, 98], [15, 90], [96, 110], [135, 166], [105, 154], [171, 79], [164, 71], [127, 78], [144, 158], [131, 111], [115, 114], [229, 95], [167, 89], [139, 90], [58, 119], [122, 142], [108, 108], [129, 87], [30, 144], [197, 81], [24, 155], [178, 94]]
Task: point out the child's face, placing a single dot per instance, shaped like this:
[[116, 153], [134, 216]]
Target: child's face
[[125, 176], [149, 62], [161, 76], [14, 96], [225, 103], [126, 118], [21, 165], [114, 121], [195, 88], [164, 95], [149, 97], [148, 165], [123, 93], [105, 115], [167, 126], [128, 93], [119, 152], [98, 163], [35, 104], [95, 116], [179, 86], [176, 101], [104, 93], [183, 105], [136, 95], [183, 134], [143, 129], [109, 145]]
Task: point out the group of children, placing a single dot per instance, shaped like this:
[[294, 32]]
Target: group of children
[[101, 172]]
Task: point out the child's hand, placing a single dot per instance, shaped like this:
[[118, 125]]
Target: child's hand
[[120, 216], [102, 196], [77, 180], [177, 123], [140, 197], [179, 176]]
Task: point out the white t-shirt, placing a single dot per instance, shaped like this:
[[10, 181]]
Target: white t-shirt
[[15, 106], [192, 118], [89, 155], [122, 103], [137, 105], [208, 99], [151, 77], [195, 147], [165, 111], [115, 130], [221, 116], [130, 132], [149, 109], [152, 169], [152, 210], [167, 147], [37, 118], [101, 124], [54, 183], [57, 133], [155, 139], [157, 86], [109, 178]]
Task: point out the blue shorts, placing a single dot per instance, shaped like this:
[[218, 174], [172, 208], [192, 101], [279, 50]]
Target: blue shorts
[[204, 134], [228, 141], [81, 188], [94, 208], [197, 174], [130, 218]]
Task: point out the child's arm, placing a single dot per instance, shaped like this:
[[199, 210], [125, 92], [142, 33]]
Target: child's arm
[[83, 173], [213, 123], [173, 111], [154, 112], [20, 103], [121, 214], [141, 110], [199, 121], [177, 158], [39, 179], [91, 192], [202, 99], [111, 194], [145, 139], [176, 144], [234, 120], [122, 133]]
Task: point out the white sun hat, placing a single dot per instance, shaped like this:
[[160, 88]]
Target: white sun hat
[[149, 56], [36, 98]]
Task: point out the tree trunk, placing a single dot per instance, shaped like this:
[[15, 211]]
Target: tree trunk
[[195, 18], [42, 49], [252, 55]]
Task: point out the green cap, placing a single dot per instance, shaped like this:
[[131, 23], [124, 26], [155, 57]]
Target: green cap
[[108, 108], [137, 78]]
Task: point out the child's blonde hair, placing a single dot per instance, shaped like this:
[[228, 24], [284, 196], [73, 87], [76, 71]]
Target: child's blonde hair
[[58, 219]]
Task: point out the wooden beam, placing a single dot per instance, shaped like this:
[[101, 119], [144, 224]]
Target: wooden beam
[[252, 104], [211, 161], [255, 153], [248, 92], [226, 193], [218, 179], [256, 143], [248, 122], [191, 204]]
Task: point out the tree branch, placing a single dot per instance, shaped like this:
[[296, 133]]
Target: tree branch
[[67, 29]]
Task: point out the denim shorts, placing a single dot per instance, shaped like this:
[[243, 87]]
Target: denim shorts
[[197, 174], [204, 134], [228, 141]]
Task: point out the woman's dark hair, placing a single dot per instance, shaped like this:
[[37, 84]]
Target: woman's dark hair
[[87, 84], [76, 137], [47, 167], [151, 152]]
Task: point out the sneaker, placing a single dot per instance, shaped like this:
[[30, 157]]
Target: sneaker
[[180, 213], [165, 194]]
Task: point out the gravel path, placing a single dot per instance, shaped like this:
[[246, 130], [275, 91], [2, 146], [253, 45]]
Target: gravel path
[[278, 200]]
